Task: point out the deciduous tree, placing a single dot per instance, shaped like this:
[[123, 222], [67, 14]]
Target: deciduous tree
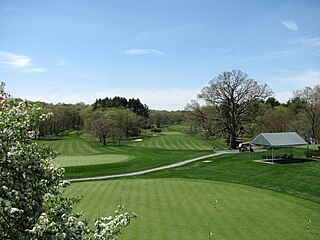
[[277, 119], [308, 101], [31, 203], [205, 118], [233, 95]]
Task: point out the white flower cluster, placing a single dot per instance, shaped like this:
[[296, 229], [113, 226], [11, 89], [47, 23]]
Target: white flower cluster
[[109, 227], [31, 204]]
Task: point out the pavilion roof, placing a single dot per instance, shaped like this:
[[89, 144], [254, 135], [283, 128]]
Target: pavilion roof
[[282, 139]]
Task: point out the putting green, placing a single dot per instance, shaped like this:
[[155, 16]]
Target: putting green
[[67, 161], [184, 209]]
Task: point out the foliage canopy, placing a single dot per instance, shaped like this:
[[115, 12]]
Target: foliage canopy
[[234, 96]]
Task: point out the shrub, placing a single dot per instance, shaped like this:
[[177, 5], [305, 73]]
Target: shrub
[[312, 153], [156, 130], [31, 187]]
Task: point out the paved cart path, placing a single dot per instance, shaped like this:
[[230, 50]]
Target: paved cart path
[[178, 164]]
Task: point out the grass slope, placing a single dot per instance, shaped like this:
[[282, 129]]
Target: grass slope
[[97, 160], [67, 161], [184, 209], [297, 179], [172, 208], [179, 141], [93, 159]]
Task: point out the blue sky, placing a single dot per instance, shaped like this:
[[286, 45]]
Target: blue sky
[[163, 52]]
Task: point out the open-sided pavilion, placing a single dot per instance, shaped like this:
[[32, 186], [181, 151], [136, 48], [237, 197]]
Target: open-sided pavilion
[[278, 140]]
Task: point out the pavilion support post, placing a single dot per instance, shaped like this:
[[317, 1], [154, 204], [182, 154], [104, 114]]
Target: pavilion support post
[[272, 155]]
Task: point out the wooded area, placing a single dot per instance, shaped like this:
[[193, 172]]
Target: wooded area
[[236, 106]]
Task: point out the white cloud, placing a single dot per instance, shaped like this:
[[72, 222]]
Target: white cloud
[[11, 60], [170, 99], [18, 62], [295, 82], [268, 56], [283, 96], [35, 70], [282, 71], [290, 24], [308, 78], [143, 52], [285, 86]]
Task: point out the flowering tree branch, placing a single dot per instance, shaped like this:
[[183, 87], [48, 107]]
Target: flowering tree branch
[[31, 186]]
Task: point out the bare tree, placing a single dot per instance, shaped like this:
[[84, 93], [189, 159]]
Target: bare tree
[[204, 117], [233, 95], [308, 100]]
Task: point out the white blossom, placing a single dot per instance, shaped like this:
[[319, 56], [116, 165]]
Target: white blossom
[[31, 185]]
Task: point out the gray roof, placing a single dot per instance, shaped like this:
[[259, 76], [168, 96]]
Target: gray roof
[[278, 139]]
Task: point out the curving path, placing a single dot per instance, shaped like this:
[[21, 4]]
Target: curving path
[[178, 164]]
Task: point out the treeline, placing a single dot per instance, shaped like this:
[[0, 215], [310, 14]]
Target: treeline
[[232, 106], [267, 116], [120, 102], [236, 106], [159, 118], [65, 117], [114, 119]]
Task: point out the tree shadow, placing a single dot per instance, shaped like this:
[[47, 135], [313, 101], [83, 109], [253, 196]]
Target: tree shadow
[[288, 161]]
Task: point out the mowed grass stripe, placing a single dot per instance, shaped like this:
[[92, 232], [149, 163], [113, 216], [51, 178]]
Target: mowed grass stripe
[[172, 142], [189, 206], [176, 141], [81, 148], [78, 148], [55, 145], [190, 144], [182, 209], [52, 144], [154, 196], [200, 207], [86, 148], [60, 148], [166, 192], [67, 161], [165, 142], [203, 145], [72, 147]]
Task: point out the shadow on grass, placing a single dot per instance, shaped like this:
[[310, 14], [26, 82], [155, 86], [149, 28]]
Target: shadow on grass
[[287, 161]]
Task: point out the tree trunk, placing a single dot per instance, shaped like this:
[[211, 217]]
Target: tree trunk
[[104, 140], [233, 141]]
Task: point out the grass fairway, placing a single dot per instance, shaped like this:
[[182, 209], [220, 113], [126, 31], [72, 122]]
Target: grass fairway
[[179, 140], [184, 209], [83, 156], [67, 161], [297, 179], [178, 203]]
